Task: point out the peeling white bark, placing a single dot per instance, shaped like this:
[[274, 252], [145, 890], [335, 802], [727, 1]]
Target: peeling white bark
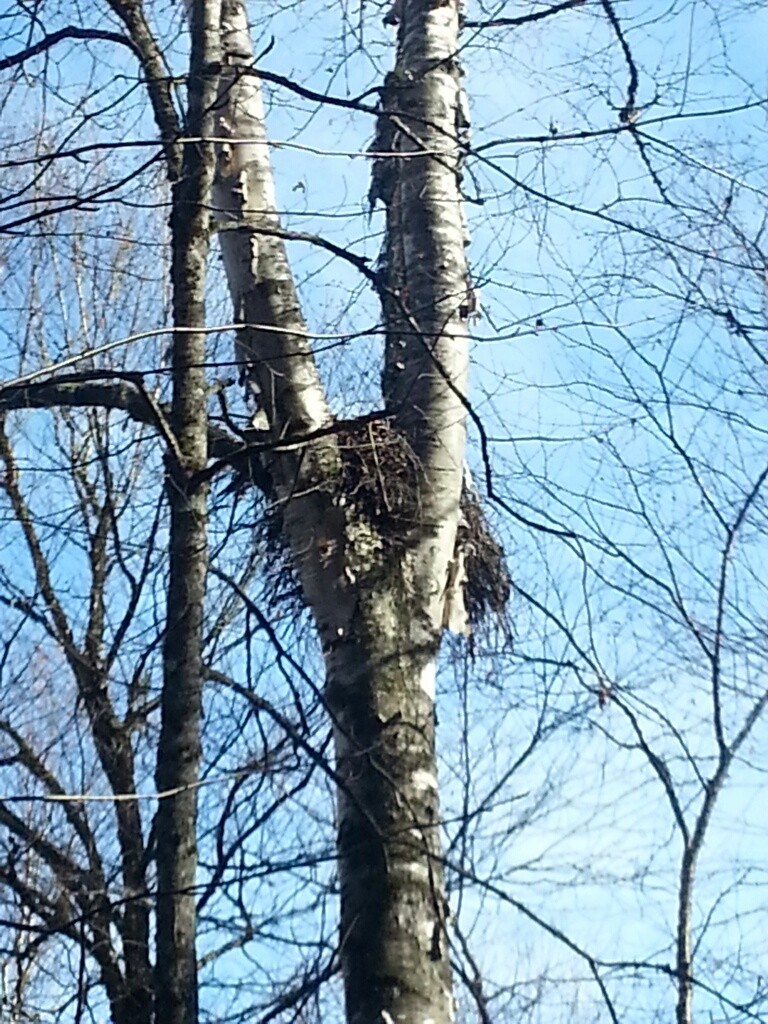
[[281, 364], [426, 305], [381, 676], [428, 679], [424, 780], [394, 946]]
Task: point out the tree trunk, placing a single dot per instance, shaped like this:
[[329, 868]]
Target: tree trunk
[[273, 343], [381, 670], [380, 689], [179, 750], [377, 588]]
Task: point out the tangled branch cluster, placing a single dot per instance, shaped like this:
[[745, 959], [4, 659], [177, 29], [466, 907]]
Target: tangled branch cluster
[[380, 477]]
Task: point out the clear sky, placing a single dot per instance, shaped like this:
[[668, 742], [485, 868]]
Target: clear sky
[[621, 405]]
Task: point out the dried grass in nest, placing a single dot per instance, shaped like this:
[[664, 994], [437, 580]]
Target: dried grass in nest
[[379, 477], [283, 589], [488, 584]]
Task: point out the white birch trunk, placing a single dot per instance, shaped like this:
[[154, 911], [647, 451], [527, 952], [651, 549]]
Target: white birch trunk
[[428, 298], [273, 344], [382, 676], [275, 349], [394, 938]]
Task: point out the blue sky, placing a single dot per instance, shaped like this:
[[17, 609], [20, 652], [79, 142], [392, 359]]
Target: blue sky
[[576, 410]]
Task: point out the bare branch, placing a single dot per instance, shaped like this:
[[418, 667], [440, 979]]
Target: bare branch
[[69, 32]]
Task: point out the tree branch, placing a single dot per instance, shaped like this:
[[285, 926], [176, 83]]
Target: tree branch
[[628, 112], [158, 80], [523, 19], [69, 32]]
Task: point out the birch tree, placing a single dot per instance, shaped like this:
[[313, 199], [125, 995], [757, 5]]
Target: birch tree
[[363, 511]]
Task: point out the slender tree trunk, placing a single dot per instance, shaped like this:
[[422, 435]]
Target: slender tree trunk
[[273, 343], [684, 959], [179, 748]]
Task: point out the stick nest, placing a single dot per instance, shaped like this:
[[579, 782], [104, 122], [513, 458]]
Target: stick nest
[[379, 479]]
